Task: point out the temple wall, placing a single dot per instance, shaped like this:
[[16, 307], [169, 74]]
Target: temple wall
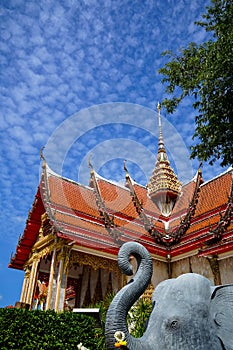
[[202, 266], [180, 267], [226, 270], [221, 271], [160, 272], [193, 264]]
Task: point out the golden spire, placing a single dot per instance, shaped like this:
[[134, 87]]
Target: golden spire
[[161, 141], [163, 187], [159, 107]]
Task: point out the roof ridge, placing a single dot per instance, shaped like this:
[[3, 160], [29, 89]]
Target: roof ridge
[[228, 170], [140, 185], [51, 172], [112, 182]]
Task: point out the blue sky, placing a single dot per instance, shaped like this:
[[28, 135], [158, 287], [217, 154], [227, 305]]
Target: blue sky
[[72, 74]]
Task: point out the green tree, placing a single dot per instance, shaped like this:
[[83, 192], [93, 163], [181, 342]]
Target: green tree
[[205, 72]]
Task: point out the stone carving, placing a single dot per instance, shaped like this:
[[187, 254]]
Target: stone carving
[[188, 312]]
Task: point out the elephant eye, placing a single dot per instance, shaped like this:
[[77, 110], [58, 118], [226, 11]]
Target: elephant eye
[[173, 325]]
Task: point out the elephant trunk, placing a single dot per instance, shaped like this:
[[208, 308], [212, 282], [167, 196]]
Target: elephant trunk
[[129, 294]]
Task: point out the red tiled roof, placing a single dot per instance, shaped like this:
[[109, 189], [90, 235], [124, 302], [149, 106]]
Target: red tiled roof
[[78, 223], [29, 235], [184, 199], [182, 205], [73, 210], [147, 203], [71, 195], [207, 223], [214, 194], [117, 199], [133, 226]]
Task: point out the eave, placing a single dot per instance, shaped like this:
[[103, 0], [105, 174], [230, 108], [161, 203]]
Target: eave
[[30, 234]]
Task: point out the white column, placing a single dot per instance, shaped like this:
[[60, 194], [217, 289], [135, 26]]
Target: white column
[[25, 286], [32, 281], [61, 280], [51, 281]]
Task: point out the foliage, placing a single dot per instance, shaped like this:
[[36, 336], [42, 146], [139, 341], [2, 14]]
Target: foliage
[[205, 72], [138, 317], [46, 330], [136, 320], [103, 305]]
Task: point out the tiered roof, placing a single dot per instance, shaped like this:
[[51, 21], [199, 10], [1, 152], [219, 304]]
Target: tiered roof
[[100, 217], [201, 219]]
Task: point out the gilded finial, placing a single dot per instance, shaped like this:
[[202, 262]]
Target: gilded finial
[[159, 107], [41, 153]]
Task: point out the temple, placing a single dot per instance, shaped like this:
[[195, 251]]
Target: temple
[[68, 250]]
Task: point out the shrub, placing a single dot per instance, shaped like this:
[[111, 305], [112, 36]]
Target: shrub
[[21, 329]]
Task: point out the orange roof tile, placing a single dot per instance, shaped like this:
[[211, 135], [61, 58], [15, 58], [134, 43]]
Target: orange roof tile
[[76, 214], [77, 222], [131, 226], [117, 199], [214, 194], [147, 203], [200, 225], [72, 195], [184, 199]]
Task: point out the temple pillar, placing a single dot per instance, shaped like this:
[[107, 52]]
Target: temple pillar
[[62, 279], [25, 285], [54, 286], [213, 261], [50, 294], [32, 281]]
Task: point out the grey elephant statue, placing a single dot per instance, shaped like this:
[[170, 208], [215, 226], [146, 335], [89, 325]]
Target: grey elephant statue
[[188, 312]]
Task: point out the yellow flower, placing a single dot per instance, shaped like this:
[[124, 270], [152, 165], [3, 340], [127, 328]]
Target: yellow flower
[[120, 343], [124, 342], [120, 338]]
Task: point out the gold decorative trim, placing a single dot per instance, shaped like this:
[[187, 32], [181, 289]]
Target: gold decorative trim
[[51, 242], [64, 255], [43, 241], [94, 261]]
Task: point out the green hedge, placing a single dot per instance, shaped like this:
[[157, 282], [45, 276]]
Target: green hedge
[[21, 329]]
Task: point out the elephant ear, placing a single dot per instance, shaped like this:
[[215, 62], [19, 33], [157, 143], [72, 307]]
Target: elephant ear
[[221, 308]]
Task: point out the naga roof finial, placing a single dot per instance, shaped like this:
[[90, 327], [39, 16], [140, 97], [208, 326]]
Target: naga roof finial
[[41, 153], [90, 164], [125, 168]]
